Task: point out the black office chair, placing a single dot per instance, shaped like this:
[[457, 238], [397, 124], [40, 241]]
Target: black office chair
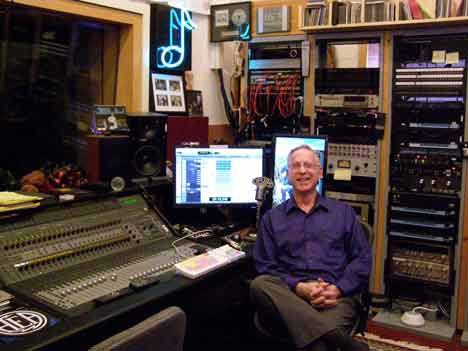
[[164, 331], [360, 324]]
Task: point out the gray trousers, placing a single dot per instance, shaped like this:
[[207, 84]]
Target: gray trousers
[[286, 315]]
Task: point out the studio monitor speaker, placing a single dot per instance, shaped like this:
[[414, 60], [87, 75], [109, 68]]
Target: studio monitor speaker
[[108, 157], [147, 143]]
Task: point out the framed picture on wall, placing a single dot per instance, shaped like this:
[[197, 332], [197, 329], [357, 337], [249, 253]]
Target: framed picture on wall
[[230, 22], [168, 92], [194, 103]]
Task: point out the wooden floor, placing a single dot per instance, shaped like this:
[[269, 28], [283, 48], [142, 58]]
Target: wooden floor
[[420, 340]]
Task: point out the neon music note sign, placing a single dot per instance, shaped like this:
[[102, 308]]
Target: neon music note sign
[[172, 56], [245, 35]]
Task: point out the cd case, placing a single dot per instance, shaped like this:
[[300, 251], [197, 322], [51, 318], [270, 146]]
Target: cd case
[[197, 266]]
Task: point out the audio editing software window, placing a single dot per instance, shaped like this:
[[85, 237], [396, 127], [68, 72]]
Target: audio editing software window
[[205, 176]]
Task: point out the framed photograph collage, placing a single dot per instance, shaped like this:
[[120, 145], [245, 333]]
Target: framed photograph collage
[[169, 93]]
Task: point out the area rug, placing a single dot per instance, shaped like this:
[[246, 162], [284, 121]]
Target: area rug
[[376, 343]]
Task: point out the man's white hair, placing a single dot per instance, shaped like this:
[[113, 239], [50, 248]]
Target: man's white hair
[[303, 147]]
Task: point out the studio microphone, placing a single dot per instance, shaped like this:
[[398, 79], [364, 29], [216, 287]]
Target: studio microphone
[[263, 185]]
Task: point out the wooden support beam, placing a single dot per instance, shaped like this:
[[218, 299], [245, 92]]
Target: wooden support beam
[[384, 159]]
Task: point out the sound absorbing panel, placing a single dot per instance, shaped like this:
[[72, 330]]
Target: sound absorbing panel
[[183, 130]]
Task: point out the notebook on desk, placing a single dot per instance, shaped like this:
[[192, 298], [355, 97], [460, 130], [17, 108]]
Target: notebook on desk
[[199, 265]]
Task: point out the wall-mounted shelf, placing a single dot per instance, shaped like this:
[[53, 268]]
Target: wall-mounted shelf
[[387, 25]]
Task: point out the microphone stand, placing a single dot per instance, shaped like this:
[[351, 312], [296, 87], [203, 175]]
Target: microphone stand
[[258, 213], [264, 186]]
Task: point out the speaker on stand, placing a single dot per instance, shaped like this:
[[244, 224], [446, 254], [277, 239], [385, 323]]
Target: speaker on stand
[[148, 134]]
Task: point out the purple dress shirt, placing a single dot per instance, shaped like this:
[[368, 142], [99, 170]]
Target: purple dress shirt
[[327, 243]]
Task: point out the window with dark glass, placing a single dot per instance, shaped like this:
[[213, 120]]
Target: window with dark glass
[[53, 69]]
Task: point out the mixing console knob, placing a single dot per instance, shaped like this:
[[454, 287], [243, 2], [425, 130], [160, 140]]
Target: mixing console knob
[[113, 277]]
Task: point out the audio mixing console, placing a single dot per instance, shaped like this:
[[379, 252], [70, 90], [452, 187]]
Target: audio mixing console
[[74, 258]]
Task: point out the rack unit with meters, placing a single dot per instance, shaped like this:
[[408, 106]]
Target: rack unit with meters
[[346, 110], [426, 164]]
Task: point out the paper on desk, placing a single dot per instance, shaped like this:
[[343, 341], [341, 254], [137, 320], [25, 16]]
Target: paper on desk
[[19, 206], [342, 174], [438, 56], [8, 198], [452, 57]]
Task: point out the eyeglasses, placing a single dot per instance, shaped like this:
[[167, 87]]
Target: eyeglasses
[[306, 165]]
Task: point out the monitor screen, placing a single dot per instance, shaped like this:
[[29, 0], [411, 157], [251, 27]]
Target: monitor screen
[[281, 146], [216, 176]]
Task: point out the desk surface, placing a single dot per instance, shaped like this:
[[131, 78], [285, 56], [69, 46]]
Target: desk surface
[[80, 333]]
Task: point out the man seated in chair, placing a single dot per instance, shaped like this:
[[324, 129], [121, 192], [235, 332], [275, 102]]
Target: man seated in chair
[[314, 260]]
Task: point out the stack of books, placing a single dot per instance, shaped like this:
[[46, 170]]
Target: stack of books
[[316, 13], [429, 9], [346, 12], [461, 7], [379, 11]]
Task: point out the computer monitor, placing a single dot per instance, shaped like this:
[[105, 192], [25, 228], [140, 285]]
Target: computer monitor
[[281, 147], [216, 176]]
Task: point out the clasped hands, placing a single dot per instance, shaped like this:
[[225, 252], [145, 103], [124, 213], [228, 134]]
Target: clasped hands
[[319, 293]]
